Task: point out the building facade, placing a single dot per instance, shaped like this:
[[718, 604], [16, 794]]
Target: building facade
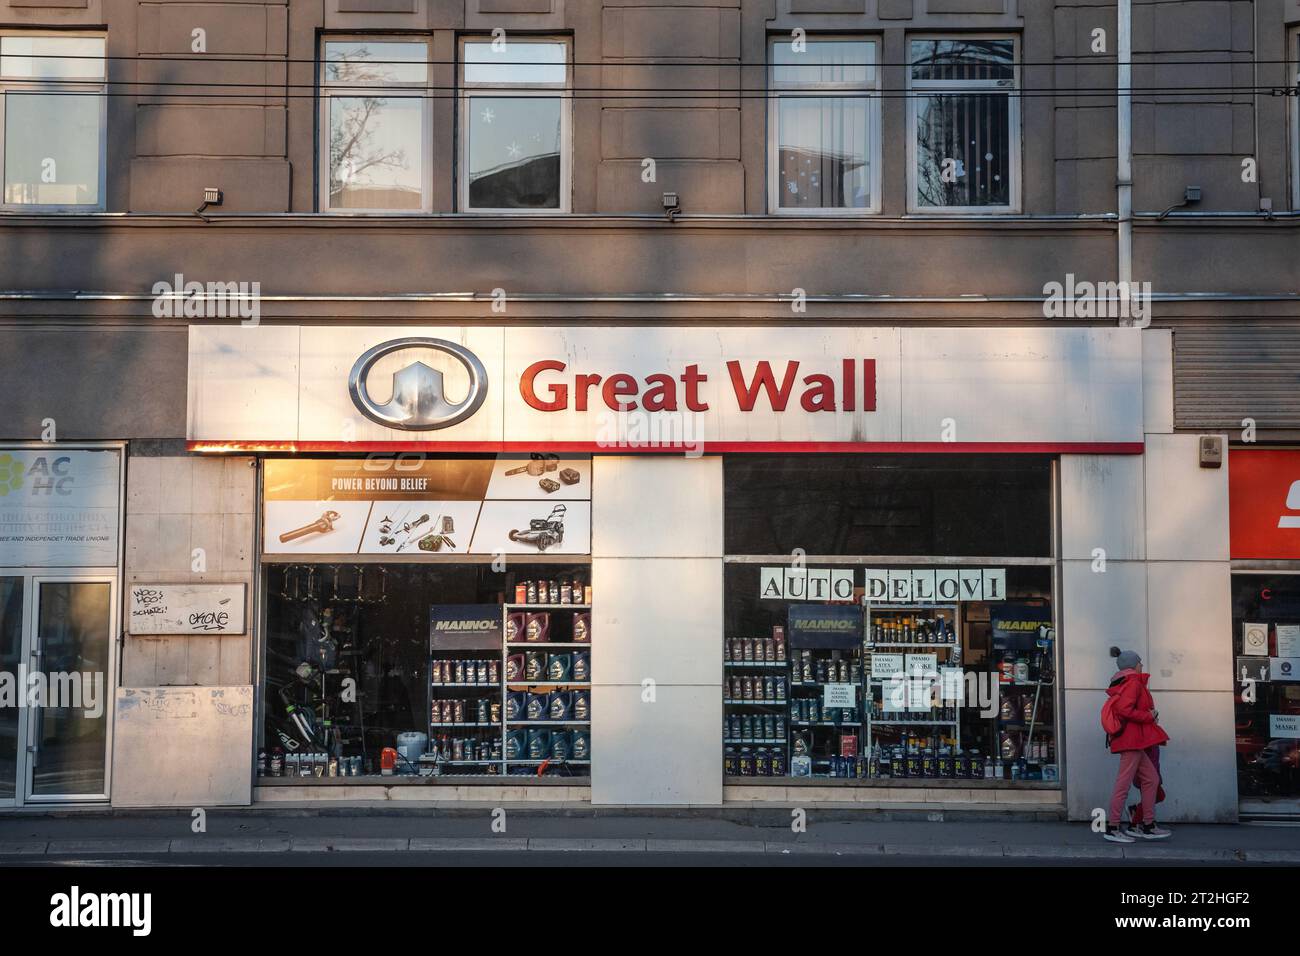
[[830, 382]]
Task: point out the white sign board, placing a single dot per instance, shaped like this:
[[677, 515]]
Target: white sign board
[[885, 665], [183, 746], [59, 508], [721, 388], [210, 610]]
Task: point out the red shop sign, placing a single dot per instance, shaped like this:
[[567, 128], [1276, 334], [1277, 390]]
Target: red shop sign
[[1264, 503]]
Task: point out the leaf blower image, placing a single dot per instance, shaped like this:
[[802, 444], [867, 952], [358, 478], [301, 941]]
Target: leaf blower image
[[543, 532]]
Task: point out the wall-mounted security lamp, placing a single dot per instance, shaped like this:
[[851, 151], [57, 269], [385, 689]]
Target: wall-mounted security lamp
[[672, 205], [1191, 196], [1211, 448], [212, 196], [1266, 206]]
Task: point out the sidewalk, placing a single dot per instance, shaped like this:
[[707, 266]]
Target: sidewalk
[[470, 830]]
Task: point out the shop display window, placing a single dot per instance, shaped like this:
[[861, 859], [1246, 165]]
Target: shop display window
[[1266, 685], [954, 505], [385, 671], [852, 688]]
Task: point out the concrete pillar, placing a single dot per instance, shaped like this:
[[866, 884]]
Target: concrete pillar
[[1161, 522], [657, 630]]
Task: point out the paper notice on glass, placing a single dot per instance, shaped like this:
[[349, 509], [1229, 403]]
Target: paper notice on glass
[[1284, 669], [840, 695], [1284, 725], [1288, 640], [922, 663], [1254, 639], [884, 666]]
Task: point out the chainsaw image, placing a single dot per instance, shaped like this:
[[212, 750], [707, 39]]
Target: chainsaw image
[[543, 532]]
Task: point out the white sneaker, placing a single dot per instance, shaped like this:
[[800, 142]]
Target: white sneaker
[[1151, 831], [1116, 835]]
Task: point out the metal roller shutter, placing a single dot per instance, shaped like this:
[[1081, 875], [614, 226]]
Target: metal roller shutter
[[1223, 374]]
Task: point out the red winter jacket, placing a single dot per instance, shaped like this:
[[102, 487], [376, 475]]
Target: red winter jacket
[[1133, 705]]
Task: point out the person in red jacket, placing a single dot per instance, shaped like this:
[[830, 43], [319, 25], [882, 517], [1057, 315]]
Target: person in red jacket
[[1139, 732]]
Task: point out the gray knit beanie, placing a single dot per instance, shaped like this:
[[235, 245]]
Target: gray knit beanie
[[1125, 660]]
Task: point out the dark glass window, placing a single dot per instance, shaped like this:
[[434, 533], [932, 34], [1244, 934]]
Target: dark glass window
[[1266, 667], [949, 505]]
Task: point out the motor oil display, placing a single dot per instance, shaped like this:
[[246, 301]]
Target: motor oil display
[[527, 706]]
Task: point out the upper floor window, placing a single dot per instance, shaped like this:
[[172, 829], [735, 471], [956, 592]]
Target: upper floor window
[[52, 116], [823, 122], [515, 127], [1293, 71], [375, 117], [964, 123]]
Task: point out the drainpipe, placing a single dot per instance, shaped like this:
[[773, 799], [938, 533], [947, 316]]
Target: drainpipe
[[1124, 138]]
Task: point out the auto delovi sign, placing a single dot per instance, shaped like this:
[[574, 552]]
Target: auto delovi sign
[[884, 585]]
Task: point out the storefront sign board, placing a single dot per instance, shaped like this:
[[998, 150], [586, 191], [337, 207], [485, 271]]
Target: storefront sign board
[[465, 627], [1264, 504], [59, 508], [624, 389]]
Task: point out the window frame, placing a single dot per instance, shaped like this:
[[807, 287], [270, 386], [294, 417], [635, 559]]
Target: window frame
[[325, 92], [1014, 145], [1292, 68], [465, 91], [88, 85], [776, 93]]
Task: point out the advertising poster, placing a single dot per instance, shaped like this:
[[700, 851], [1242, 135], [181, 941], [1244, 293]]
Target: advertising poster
[[413, 505], [458, 627], [1016, 626], [833, 626], [59, 509]]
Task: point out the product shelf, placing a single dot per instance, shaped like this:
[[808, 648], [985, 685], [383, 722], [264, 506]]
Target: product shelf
[[826, 723], [496, 686], [915, 723], [755, 663], [464, 724], [755, 703], [553, 762], [768, 741], [548, 723], [548, 644], [548, 607]]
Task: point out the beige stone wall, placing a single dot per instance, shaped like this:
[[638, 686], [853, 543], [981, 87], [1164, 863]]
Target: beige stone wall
[[174, 506]]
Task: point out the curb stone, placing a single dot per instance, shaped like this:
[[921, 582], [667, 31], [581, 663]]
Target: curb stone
[[108, 845], [706, 846], [839, 849], [471, 844], [559, 844], [229, 845], [29, 848], [346, 844], [1064, 852], [919, 849]]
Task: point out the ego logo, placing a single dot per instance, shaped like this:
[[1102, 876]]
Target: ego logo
[[44, 475]]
